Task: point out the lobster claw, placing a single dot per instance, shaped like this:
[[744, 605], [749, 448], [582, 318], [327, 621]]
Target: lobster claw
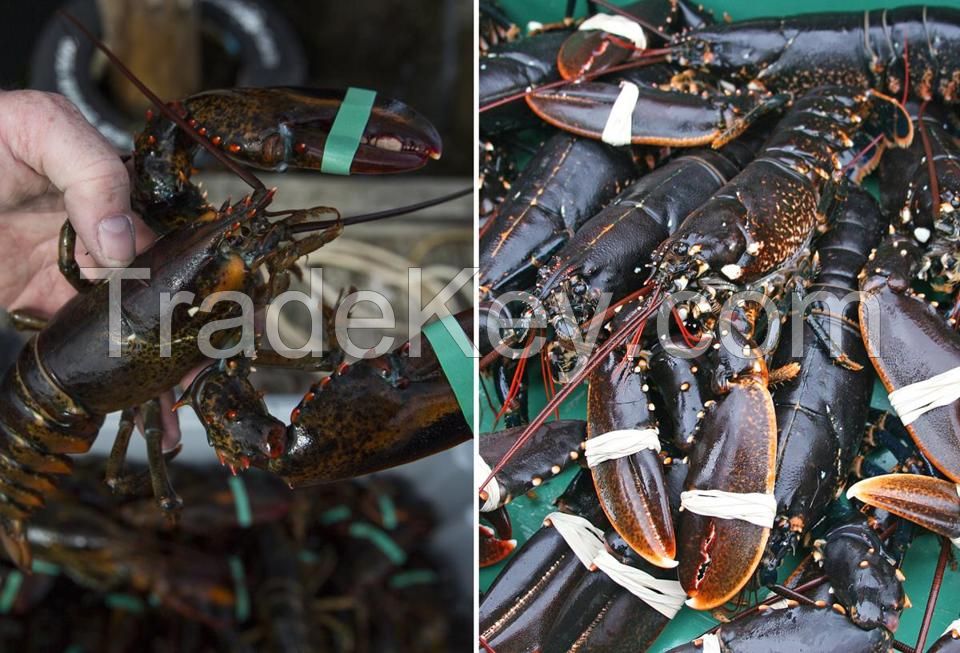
[[909, 344], [374, 414], [737, 454], [625, 114], [235, 416], [631, 488], [344, 132], [591, 51], [930, 502]]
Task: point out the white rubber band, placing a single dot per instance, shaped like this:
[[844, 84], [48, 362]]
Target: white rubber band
[[953, 626], [492, 489], [619, 128], [619, 26], [664, 596], [912, 401], [583, 538], [620, 444], [711, 643], [753, 507]]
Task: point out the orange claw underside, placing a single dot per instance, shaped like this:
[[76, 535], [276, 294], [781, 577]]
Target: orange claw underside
[[719, 556], [930, 502]]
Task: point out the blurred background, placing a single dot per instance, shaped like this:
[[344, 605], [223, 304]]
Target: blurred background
[[419, 52]]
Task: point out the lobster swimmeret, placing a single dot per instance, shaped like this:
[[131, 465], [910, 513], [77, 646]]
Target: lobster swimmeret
[[55, 398]]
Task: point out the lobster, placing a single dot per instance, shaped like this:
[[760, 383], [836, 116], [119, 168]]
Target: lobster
[[55, 398], [908, 51], [820, 428]]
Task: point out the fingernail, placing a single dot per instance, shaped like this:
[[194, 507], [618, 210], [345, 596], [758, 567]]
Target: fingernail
[[115, 236]]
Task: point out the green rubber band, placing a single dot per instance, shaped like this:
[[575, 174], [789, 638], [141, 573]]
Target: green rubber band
[[44, 567], [241, 501], [11, 588], [346, 131], [404, 579], [387, 546], [74, 648], [242, 609], [388, 511], [335, 515], [454, 352], [127, 602]]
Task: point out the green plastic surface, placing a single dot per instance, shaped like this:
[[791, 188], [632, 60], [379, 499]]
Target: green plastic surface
[[527, 512]]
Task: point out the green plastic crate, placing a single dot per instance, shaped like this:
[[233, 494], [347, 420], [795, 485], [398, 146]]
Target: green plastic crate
[[527, 512]]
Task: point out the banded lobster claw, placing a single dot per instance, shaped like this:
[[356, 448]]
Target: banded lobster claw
[[933, 503], [629, 482], [916, 354], [727, 508], [280, 127], [628, 113], [605, 40]]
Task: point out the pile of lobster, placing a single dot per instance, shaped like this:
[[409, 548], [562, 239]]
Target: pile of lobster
[[104, 352], [730, 309], [251, 567]]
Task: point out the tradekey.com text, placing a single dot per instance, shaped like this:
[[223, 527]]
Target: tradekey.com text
[[517, 324], [232, 323]]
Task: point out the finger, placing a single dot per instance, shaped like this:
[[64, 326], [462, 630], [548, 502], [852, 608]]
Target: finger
[[47, 133]]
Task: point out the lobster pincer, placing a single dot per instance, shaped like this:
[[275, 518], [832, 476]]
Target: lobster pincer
[[409, 411]]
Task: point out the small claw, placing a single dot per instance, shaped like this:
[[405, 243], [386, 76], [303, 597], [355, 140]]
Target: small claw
[[930, 502]]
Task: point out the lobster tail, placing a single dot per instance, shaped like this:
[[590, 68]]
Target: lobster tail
[[39, 424]]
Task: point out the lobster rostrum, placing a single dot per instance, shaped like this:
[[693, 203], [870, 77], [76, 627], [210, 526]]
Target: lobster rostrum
[[56, 396]]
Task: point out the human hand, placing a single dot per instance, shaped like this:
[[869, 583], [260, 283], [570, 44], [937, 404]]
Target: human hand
[[55, 166]]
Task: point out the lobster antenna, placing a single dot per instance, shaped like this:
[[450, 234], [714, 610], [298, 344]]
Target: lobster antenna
[[615, 340], [381, 215], [163, 108]]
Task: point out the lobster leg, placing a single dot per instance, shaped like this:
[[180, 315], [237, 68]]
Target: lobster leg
[[67, 259], [163, 490], [114, 475]]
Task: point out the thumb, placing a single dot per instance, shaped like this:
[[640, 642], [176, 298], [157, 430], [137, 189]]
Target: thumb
[[58, 143]]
